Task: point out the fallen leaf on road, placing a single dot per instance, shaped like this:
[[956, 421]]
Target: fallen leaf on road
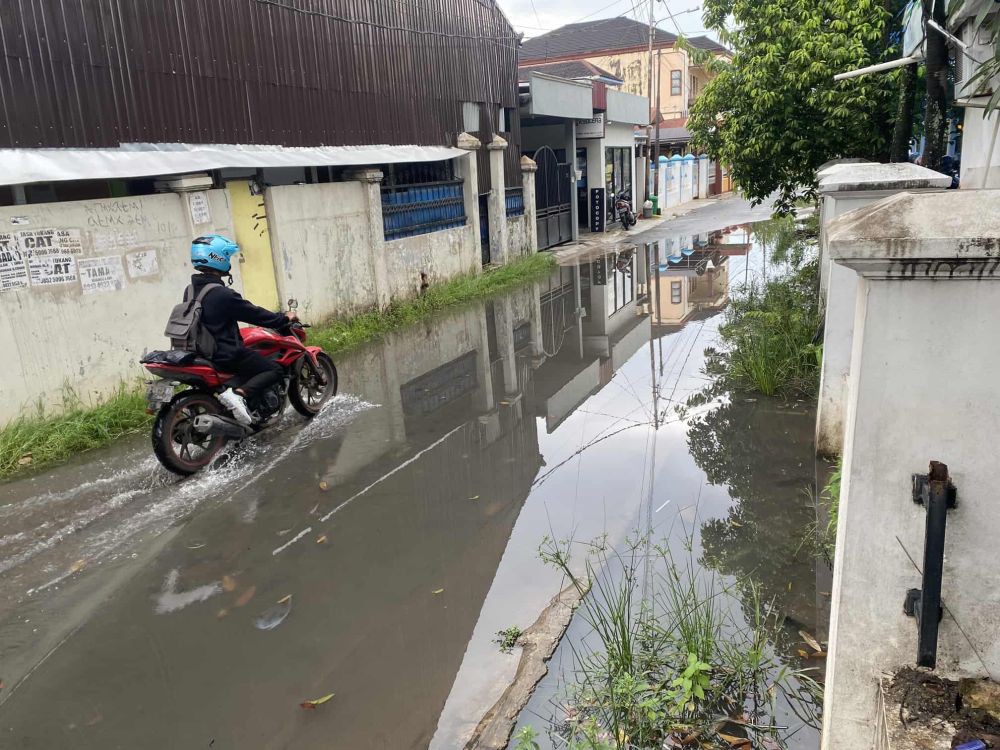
[[474, 497], [77, 566], [246, 596], [221, 613], [25, 460], [321, 539], [810, 640], [283, 532], [286, 598], [228, 583], [803, 654], [315, 508], [324, 486], [818, 655], [736, 742], [438, 591], [317, 702]]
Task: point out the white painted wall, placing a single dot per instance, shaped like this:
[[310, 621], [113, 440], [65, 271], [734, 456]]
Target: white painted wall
[[978, 135], [321, 244], [441, 255], [60, 336], [923, 378]]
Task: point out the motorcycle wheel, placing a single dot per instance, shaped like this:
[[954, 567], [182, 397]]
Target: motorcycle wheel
[[177, 446], [625, 224], [309, 390]]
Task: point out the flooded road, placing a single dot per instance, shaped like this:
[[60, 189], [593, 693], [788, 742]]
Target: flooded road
[[375, 552]]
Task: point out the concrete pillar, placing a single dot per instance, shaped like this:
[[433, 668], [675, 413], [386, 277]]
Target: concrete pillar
[[845, 188], [571, 158], [468, 172], [537, 344], [497, 202], [923, 386], [528, 170], [371, 182], [483, 369]]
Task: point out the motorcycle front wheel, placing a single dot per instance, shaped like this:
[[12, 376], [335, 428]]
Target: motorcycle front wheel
[[309, 389], [176, 444]]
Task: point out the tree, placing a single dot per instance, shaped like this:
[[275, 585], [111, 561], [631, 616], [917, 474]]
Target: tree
[[774, 113]]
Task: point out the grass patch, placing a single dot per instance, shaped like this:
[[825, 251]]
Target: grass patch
[[507, 638], [341, 335], [677, 658], [40, 440], [34, 441], [770, 326], [831, 495]]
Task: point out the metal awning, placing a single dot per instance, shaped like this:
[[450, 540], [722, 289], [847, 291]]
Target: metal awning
[[21, 166]]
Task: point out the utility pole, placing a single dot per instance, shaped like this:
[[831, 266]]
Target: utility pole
[[656, 151], [649, 100]]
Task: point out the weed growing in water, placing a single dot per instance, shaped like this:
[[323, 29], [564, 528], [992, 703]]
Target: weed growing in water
[[680, 661], [506, 639], [771, 324]]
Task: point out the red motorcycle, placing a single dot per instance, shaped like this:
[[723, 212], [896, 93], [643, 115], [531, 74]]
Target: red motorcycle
[[192, 427]]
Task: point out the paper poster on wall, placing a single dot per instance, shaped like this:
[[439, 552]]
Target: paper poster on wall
[[142, 263], [46, 268], [102, 274], [65, 241], [200, 212], [13, 271]]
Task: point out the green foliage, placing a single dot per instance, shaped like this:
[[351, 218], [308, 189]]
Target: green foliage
[[525, 739], [671, 661], [770, 324], [35, 441], [31, 442], [774, 114], [340, 335], [831, 495], [507, 638]]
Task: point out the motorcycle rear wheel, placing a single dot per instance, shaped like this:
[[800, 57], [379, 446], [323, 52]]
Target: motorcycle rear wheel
[[177, 446], [307, 392]]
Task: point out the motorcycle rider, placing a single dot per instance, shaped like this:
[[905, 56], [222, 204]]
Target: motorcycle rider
[[221, 310]]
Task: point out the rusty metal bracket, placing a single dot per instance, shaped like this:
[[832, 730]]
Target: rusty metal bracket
[[938, 495]]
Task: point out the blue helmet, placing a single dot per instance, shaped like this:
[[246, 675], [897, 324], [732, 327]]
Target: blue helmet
[[213, 251]]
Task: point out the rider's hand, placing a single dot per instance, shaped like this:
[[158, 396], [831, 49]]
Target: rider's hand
[[292, 317]]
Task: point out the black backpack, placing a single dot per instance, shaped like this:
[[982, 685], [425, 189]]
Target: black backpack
[[185, 329]]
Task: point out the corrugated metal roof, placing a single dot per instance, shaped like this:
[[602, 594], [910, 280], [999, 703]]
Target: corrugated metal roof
[[571, 69]]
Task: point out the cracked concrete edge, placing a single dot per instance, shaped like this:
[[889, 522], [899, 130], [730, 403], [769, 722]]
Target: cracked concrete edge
[[538, 643]]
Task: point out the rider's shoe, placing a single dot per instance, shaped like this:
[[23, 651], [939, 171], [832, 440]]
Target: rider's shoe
[[237, 405]]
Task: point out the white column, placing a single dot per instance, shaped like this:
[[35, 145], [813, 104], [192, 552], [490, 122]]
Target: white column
[[467, 170], [849, 187], [528, 170], [371, 182], [703, 166], [498, 202], [503, 315], [923, 387], [571, 158]]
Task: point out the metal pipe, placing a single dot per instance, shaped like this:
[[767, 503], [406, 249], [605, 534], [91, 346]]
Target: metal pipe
[[901, 62]]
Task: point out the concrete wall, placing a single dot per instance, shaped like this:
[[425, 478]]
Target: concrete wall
[[60, 335], [978, 135], [922, 387], [321, 244], [518, 236], [633, 68], [441, 255]]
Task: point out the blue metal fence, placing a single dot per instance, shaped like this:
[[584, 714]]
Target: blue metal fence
[[409, 210], [515, 201]]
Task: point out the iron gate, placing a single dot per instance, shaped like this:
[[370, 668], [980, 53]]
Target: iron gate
[[552, 199]]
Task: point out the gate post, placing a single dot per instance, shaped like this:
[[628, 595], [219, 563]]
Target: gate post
[[466, 169], [371, 183], [497, 202], [528, 169]]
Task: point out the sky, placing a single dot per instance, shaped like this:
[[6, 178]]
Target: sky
[[535, 17]]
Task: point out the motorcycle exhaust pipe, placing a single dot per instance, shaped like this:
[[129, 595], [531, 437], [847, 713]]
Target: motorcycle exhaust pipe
[[215, 424]]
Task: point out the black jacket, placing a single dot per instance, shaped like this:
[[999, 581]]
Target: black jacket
[[223, 308]]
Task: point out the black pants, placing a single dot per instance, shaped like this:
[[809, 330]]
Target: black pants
[[252, 372]]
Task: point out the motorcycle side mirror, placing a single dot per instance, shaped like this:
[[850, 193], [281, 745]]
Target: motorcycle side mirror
[[293, 304]]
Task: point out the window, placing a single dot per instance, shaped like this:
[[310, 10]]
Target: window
[[470, 117], [675, 292], [694, 86], [675, 83]]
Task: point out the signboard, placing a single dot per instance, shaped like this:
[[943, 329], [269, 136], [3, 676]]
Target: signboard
[[142, 263], [13, 271], [593, 128], [65, 241], [102, 274], [598, 209], [198, 203]]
